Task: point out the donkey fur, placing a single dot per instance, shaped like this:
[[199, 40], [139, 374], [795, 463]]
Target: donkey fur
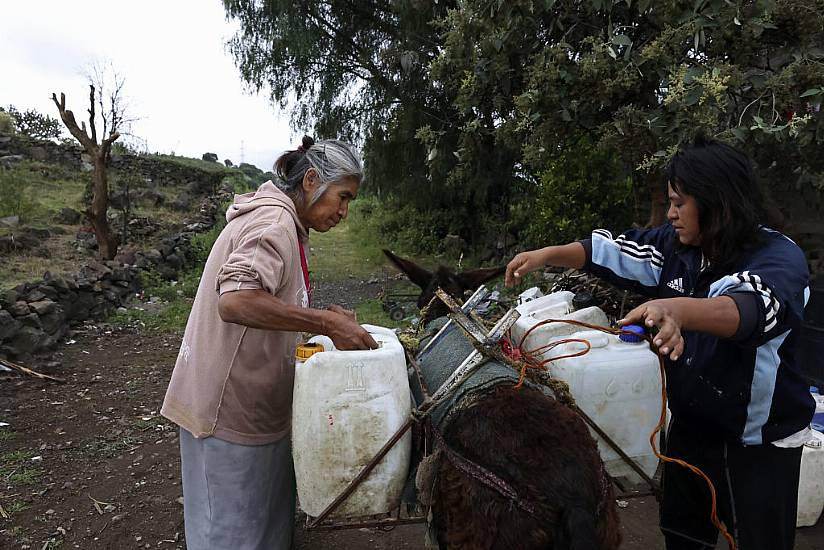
[[539, 446]]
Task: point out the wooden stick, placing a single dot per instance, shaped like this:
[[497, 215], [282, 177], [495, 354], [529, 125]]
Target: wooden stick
[[23, 370]]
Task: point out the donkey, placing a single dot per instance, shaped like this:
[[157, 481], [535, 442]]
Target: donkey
[[536, 450]]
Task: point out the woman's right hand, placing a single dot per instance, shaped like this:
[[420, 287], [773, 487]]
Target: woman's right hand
[[523, 263], [346, 333]]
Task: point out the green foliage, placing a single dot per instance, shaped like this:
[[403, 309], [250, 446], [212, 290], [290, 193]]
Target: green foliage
[[213, 167], [372, 312], [398, 226], [251, 171], [579, 191], [35, 124], [462, 106], [16, 193], [6, 124]]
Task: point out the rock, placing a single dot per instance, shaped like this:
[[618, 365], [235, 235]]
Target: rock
[[182, 202], [8, 160], [127, 255], [9, 326], [19, 309], [86, 240], [174, 261], [68, 216], [10, 221], [31, 320], [38, 233], [38, 153], [209, 157], [8, 298], [53, 321], [35, 296], [42, 307], [28, 340]]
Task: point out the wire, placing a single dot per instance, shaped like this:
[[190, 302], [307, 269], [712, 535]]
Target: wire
[[531, 359]]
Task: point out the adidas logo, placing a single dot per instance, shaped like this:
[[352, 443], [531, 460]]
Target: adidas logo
[[677, 285]]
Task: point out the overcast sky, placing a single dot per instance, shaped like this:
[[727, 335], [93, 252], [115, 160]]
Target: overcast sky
[[179, 79]]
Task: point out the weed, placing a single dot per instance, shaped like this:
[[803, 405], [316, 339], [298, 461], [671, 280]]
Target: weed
[[13, 532], [16, 506], [14, 468], [372, 312]]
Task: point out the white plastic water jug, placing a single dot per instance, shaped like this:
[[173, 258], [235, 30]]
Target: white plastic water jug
[[346, 406], [811, 481], [557, 305], [618, 385]]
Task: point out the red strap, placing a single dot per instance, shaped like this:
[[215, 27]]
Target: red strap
[[305, 266]]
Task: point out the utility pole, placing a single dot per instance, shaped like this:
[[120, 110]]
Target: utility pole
[[242, 155]]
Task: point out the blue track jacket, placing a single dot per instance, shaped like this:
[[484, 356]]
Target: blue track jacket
[[749, 388]]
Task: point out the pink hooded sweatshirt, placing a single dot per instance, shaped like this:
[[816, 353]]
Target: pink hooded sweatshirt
[[231, 381]]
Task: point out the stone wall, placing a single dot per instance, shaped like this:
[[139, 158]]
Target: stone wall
[[35, 316], [156, 171]]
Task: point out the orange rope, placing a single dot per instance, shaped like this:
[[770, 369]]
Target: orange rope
[[531, 361]]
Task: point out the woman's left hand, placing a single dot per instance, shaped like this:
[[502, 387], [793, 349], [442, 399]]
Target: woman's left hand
[[668, 317]]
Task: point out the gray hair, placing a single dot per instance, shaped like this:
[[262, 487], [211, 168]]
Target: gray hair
[[333, 160]]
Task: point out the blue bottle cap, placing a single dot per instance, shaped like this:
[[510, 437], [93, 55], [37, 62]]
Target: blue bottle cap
[[632, 338]]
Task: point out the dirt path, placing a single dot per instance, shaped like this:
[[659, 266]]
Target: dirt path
[[90, 464]]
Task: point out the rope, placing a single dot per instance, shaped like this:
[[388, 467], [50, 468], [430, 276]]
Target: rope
[[531, 361]]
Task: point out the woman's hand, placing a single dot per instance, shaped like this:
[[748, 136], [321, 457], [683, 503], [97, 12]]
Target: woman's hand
[[345, 332], [523, 263], [343, 311], [568, 255], [668, 317]]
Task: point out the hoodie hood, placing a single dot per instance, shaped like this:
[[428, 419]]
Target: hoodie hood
[[266, 195]]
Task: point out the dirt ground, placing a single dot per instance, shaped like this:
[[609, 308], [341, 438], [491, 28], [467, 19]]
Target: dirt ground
[[90, 464]]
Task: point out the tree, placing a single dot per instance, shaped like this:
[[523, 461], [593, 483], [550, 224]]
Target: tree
[[464, 105], [361, 71], [638, 78], [35, 124], [110, 100]]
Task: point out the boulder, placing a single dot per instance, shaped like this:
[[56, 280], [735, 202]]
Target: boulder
[[19, 309], [9, 326], [10, 221], [28, 340], [68, 216], [43, 307], [31, 320]]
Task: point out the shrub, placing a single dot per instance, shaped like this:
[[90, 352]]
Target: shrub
[[35, 124], [16, 194], [6, 124], [581, 190]]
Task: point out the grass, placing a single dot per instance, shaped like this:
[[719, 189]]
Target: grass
[[194, 163], [14, 469], [371, 312], [337, 255]]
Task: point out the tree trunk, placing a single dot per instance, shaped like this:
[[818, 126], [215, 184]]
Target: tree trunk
[[107, 240], [658, 200]]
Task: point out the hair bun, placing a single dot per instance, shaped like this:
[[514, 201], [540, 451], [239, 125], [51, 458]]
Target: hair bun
[[307, 142]]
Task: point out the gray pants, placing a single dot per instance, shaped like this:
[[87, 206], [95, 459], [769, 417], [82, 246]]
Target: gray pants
[[237, 497]]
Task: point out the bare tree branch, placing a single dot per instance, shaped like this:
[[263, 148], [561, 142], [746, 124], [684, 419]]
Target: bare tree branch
[[68, 119]]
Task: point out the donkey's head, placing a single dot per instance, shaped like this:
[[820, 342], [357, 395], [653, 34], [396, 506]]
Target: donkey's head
[[454, 284]]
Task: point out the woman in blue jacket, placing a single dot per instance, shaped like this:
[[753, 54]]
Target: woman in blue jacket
[[729, 294]]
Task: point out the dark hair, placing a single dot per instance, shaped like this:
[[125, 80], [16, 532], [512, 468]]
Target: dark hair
[[333, 161], [731, 203]]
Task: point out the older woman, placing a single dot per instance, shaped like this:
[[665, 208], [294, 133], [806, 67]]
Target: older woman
[[231, 388], [730, 298]]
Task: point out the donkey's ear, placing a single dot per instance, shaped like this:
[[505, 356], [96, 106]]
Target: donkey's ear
[[416, 273], [471, 280]]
